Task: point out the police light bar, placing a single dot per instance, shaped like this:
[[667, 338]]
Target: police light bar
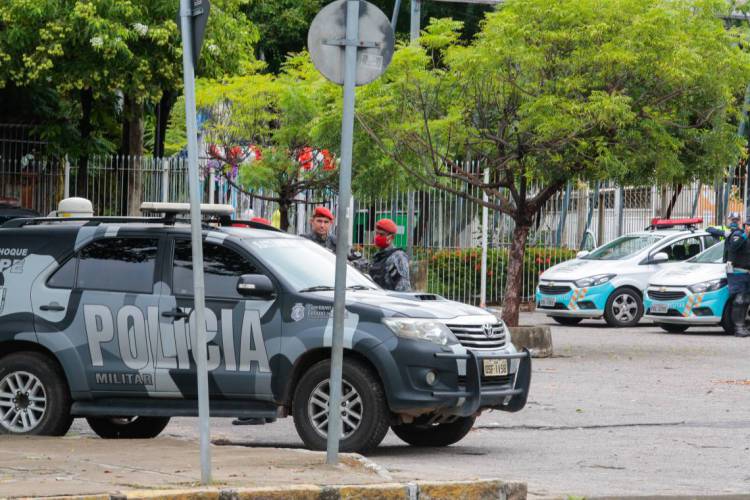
[[664, 223], [184, 208]]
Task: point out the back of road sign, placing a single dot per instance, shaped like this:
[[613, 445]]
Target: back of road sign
[[327, 34]]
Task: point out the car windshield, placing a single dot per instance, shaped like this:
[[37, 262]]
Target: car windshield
[[623, 247], [714, 255], [305, 265]]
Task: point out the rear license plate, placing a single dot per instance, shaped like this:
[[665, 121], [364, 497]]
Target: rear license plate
[[495, 367], [547, 302], [659, 308]]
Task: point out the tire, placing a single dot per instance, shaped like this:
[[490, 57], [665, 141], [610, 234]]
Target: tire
[[368, 397], [567, 321], [127, 427], [624, 308], [417, 434], [672, 328], [35, 384]]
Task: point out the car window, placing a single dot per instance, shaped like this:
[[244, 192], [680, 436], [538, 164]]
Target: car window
[[683, 249], [714, 255], [709, 241], [623, 247], [65, 276], [118, 265], [222, 268]]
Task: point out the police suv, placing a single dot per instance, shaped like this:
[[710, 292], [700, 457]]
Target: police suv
[[96, 321], [610, 280], [691, 294]]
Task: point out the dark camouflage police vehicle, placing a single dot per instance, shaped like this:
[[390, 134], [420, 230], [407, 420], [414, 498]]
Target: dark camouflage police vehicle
[[96, 315]]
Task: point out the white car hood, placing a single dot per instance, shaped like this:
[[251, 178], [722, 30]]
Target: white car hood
[[580, 268], [688, 273]]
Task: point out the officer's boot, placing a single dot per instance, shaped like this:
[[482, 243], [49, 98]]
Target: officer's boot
[[739, 314]]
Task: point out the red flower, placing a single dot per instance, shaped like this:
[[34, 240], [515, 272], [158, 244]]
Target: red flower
[[548, 260], [490, 273], [538, 260], [478, 267]]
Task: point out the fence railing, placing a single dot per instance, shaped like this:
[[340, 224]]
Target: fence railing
[[442, 231]]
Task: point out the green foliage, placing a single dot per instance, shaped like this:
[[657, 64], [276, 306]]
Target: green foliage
[[452, 272]]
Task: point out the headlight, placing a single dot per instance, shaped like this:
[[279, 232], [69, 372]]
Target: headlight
[[598, 279], [708, 286], [421, 329]]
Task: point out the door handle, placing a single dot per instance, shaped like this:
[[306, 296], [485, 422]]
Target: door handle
[[52, 307], [176, 314]]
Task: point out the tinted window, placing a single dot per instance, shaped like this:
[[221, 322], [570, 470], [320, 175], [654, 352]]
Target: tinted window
[[683, 249], [222, 268], [118, 265], [65, 277]]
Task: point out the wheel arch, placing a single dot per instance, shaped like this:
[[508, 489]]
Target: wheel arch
[[10, 347]]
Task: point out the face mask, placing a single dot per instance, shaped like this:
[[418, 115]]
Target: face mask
[[381, 241], [734, 225]]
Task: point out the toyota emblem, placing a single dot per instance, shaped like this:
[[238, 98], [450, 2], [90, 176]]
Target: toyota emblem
[[488, 331]]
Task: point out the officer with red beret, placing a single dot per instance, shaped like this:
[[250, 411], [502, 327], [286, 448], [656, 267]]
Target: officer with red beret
[[320, 228], [389, 267]]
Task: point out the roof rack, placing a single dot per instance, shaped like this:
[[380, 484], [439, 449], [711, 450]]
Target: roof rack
[[688, 223]]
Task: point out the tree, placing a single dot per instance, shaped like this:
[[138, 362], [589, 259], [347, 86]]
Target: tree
[[258, 133], [552, 92]]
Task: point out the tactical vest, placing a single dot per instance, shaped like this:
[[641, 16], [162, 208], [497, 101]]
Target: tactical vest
[[379, 266], [738, 250]]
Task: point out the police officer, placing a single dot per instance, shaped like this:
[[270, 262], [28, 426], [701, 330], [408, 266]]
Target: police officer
[[721, 232], [737, 257], [389, 267], [320, 229]]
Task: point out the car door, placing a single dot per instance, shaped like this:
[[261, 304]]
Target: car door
[[241, 332], [110, 289]]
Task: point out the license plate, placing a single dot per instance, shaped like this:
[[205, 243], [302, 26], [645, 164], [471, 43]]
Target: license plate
[[547, 302], [659, 308], [495, 367]]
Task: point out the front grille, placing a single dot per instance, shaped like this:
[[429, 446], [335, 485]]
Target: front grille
[[554, 289], [667, 295], [474, 336]]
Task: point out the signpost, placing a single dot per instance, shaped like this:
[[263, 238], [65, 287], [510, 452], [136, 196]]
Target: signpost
[[193, 18], [351, 43]]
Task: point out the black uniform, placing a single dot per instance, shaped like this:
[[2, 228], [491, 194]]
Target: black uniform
[[737, 253], [389, 268]]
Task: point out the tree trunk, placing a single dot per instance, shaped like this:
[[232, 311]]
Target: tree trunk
[[163, 110], [84, 128], [133, 148], [673, 201], [284, 215], [514, 280]]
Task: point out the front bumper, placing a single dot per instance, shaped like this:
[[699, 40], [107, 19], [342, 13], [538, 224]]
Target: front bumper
[[475, 396], [585, 302], [704, 308]]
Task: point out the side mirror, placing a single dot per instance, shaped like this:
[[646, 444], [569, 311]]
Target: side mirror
[[582, 254], [255, 285], [659, 258]]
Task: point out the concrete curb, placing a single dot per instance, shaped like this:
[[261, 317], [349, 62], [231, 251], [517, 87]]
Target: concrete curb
[[420, 490]]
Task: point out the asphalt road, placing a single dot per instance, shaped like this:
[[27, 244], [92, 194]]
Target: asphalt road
[[634, 411]]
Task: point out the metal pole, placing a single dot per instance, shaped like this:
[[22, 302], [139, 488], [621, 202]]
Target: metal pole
[[620, 207], [416, 14], [196, 230], [394, 18], [410, 224], [342, 231], [594, 198], [485, 218], [66, 189], [564, 214], [696, 199], [165, 180]]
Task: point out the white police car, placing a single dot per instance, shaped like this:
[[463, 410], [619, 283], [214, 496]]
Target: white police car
[[690, 294], [609, 281]]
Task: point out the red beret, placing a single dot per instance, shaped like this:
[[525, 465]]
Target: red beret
[[261, 220], [323, 212], [387, 225]]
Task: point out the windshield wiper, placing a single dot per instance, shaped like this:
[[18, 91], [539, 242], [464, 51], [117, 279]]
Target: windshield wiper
[[317, 288], [359, 287]]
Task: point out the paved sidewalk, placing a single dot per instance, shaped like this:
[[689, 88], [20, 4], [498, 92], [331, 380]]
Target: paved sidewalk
[[79, 465]]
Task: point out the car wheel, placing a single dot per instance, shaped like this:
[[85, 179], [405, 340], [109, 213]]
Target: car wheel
[[34, 396], [672, 328], [127, 427], [564, 320], [624, 308], [364, 413], [425, 434]]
